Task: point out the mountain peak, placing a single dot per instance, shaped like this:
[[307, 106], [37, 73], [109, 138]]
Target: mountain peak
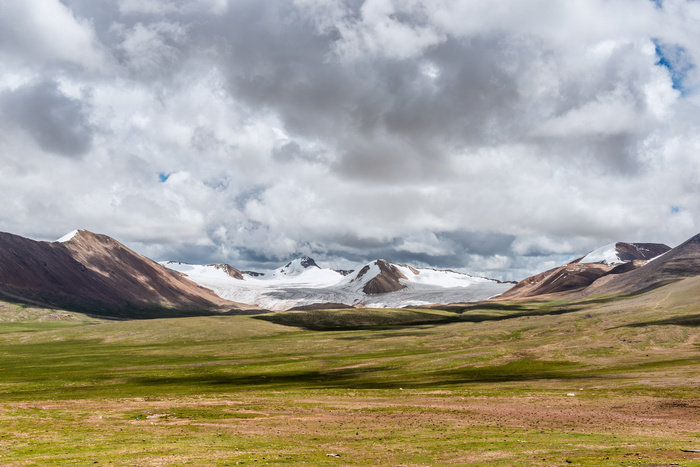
[[307, 262], [298, 266], [380, 276], [621, 252], [67, 237], [84, 235]]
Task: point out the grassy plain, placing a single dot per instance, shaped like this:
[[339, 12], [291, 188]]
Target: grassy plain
[[611, 381]]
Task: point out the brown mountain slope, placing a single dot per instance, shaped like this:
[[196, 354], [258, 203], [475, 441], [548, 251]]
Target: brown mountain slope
[[640, 251], [579, 280], [678, 263], [577, 276], [562, 279], [96, 274]]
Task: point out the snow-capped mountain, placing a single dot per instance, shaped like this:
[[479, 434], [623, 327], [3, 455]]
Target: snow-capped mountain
[[380, 284], [678, 263], [621, 252], [297, 266], [613, 259]]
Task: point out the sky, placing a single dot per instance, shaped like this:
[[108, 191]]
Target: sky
[[496, 138]]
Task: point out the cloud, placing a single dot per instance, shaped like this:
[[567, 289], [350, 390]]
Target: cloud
[[607, 115], [47, 31], [150, 49], [59, 124], [387, 28], [160, 7], [498, 138]]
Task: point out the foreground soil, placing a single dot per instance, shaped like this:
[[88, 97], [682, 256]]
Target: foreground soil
[[356, 427]]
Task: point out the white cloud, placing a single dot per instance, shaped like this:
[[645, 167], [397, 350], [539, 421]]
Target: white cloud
[[607, 115], [496, 137], [151, 48], [47, 31], [381, 31]]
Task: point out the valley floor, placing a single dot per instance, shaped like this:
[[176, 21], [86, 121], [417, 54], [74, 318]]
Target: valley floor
[[612, 381], [356, 427]]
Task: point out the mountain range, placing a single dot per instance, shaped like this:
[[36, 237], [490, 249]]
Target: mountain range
[[96, 274], [377, 284]]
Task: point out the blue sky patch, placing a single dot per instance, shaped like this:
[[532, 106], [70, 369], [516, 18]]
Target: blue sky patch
[[675, 209], [163, 177], [658, 3], [676, 59]]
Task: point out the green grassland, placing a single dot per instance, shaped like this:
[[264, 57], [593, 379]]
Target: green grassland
[[608, 381]]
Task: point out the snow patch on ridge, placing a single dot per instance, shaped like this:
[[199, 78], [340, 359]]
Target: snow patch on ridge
[[196, 272], [437, 277], [67, 237], [605, 255]]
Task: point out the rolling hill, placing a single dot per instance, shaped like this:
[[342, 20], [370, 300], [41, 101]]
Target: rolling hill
[[96, 274], [678, 263], [619, 268]]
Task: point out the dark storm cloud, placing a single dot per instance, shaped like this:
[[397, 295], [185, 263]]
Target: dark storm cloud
[[184, 252], [58, 123], [102, 14], [470, 96], [458, 248], [479, 243], [458, 244], [291, 152], [275, 60], [385, 118], [389, 118]]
